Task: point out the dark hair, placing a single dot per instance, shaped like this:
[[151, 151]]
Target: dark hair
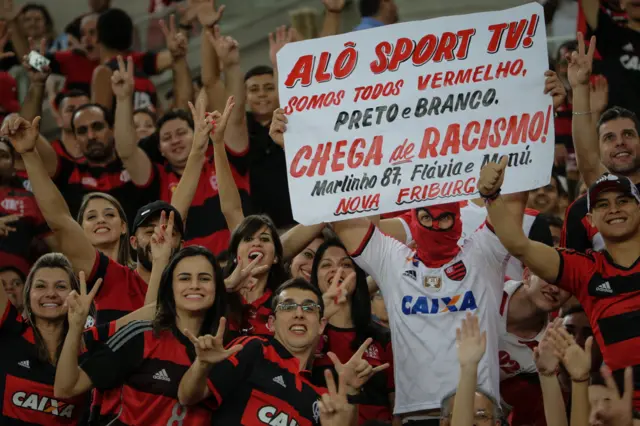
[[73, 93], [14, 269], [560, 188], [615, 113], [73, 27], [569, 46], [552, 219], [57, 261], [301, 284], [360, 299], [258, 70], [147, 111], [575, 309], [175, 114], [48, 20], [106, 114], [165, 318], [124, 255], [369, 7], [115, 29]]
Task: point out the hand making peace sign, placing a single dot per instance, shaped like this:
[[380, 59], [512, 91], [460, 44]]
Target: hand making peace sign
[[79, 305], [122, 80]]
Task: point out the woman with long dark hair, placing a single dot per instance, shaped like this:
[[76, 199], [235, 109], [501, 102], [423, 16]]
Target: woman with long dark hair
[[349, 325], [144, 361], [105, 224], [32, 346]]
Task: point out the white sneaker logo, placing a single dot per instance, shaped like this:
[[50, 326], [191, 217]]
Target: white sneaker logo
[[162, 375], [24, 364], [628, 47], [605, 288], [279, 380]]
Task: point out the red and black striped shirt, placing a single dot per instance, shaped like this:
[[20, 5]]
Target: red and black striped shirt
[[145, 368], [206, 225], [122, 290], [610, 295], [263, 384], [16, 199]]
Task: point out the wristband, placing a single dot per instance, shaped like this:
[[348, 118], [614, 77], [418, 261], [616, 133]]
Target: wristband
[[548, 374], [490, 197]]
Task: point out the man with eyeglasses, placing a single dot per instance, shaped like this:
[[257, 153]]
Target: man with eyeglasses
[[268, 381]]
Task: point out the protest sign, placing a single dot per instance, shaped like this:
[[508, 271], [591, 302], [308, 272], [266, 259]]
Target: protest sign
[[404, 116]]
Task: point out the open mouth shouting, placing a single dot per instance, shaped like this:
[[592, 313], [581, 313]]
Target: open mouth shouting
[[254, 254], [298, 329]]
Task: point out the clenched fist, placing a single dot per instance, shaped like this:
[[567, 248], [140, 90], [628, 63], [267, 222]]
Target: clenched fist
[[491, 177]]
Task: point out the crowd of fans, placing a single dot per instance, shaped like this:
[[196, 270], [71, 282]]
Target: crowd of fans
[[153, 274]]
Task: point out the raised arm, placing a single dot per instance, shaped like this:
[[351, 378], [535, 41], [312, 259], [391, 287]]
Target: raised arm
[[298, 237], [161, 248], [186, 189], [71, 238], [177, 44], [11, 16], [585, 133], [227, 49], [101, 92], [544, 261], [332, 14], [135, 160], [590, 8]]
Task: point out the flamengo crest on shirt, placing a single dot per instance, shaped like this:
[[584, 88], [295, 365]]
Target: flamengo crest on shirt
[[43, 404], [434, 305]]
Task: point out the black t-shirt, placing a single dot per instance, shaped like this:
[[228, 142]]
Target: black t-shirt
[[268, 175], [620, 64]]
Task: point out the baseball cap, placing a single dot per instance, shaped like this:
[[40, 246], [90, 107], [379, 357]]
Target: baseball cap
[[609, 182], [8, 93], [151, 209]]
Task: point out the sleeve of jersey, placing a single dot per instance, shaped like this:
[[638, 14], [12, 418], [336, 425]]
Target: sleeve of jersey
[[63, 173], [574, 234], [148, 63], [224, 377], [95, 336], [574, 271], [540, 231], [109, 366], [380, 256], [56, 64], [488, 249], [100, 270]]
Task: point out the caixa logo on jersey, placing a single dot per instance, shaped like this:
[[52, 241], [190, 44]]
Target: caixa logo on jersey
[[43, 404], [426, 305], [271, 416]]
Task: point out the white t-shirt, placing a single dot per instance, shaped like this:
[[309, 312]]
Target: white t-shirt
[[425, 307], [516, 354], [473, 216]]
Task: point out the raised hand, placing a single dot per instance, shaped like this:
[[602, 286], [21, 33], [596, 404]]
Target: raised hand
[[162, 239], [35, 76], [210, 349], [334, 406], [226, 47], [599, 98], [204, 10], [554, 87], [278, 127], [544, 354], [5, 34], [245, 277], [22, 134], [336, 295], [580, 63], [220, 121], [620, 408], [203, 126], [177, 43], [492, 176], [471, 343], [334, 6], [357, 371], [576, 360], [278, 40], [5, 224], [122, 79], [79, 305]]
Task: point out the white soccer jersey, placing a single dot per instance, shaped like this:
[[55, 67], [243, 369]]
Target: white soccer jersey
[[425, 307], [516, 354], [473, 216]]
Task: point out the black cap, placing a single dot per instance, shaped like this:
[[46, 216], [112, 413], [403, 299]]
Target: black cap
[[609, 182], [150, 210]]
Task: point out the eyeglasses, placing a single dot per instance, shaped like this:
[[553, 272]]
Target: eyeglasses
[[307, 307]]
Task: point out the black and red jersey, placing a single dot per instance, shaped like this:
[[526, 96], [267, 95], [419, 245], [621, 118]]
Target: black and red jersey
[[122, 290], [61, 150], [76, 179], [610, 296], [577, 232], [374, 401], [144, 91], [263, 384], [75, 67], [255, 317], [206, 225], [144, 368], [16, 199], [524, 395], [26, 382]]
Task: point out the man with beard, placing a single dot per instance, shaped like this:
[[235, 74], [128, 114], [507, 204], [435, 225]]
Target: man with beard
[[65, 105], [123, 289], [609, 142]]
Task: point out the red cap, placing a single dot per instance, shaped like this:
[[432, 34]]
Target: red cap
[[8, 93]]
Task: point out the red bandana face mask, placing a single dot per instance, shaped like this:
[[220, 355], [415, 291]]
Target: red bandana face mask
[[435, 246]]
